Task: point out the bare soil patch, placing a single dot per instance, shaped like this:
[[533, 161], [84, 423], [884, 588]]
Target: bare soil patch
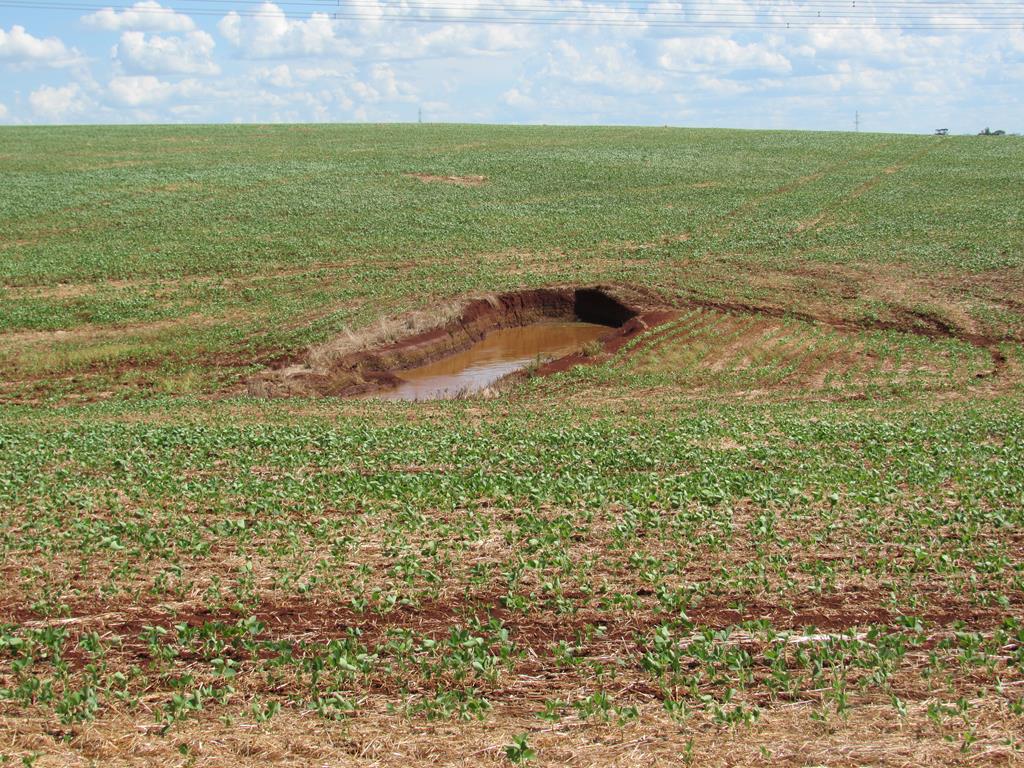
[[458, 181]]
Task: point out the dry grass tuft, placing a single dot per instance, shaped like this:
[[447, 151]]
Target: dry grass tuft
[[388, 330], [458, 181]]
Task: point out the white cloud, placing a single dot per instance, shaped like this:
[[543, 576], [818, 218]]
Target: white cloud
[[3, 110], [451, 40], [279, 76], [723, 87], [341, 85], [291, 76], [890, 46], [140, 90], [270, 33], [1016, 41], [612, 67], [718, 54], [515, 97], [58, 104], [384, 81], [737, 11], [380, 84], [19, 47], [188, 54], [147, 16]]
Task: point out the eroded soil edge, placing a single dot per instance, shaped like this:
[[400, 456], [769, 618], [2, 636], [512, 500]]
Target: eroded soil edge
[[355, 365]]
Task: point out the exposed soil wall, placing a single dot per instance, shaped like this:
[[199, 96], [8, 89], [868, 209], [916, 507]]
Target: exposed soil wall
[[364, 371]]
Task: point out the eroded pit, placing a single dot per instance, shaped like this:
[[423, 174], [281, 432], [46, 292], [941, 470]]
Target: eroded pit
[[467, 346]]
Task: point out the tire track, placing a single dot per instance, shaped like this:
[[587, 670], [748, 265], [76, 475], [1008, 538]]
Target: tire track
[[754, 203], [826, 213]]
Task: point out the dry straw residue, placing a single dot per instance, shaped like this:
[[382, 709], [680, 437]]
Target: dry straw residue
[[458, 181]]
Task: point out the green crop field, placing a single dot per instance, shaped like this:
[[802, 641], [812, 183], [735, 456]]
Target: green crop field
[[784, 527]]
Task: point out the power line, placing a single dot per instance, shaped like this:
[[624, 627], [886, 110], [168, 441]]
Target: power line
[[869, 6], [1005, 14], [910, 8], [726, 15]]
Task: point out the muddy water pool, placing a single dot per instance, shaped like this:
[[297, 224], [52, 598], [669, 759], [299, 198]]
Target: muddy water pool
[[498, 354]]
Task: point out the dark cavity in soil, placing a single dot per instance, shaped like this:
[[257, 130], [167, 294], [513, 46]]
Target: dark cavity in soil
[[498, 354]]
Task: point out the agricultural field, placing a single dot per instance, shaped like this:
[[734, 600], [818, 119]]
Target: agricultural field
[[782, 525]]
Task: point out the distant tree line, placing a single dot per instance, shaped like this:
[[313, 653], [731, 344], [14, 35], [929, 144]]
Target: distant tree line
[[986, 132]]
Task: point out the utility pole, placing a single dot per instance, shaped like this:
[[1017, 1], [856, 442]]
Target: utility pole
[[421, 115], [856, 121]]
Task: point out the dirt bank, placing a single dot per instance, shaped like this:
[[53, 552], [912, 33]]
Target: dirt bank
[[349, 365]]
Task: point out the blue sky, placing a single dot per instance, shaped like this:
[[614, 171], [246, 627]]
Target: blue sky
[[904, 66]]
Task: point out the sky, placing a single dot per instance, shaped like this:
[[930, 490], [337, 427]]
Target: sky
[[910, 66]]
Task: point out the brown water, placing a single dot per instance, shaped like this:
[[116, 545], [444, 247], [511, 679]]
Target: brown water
[[498, 354]]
